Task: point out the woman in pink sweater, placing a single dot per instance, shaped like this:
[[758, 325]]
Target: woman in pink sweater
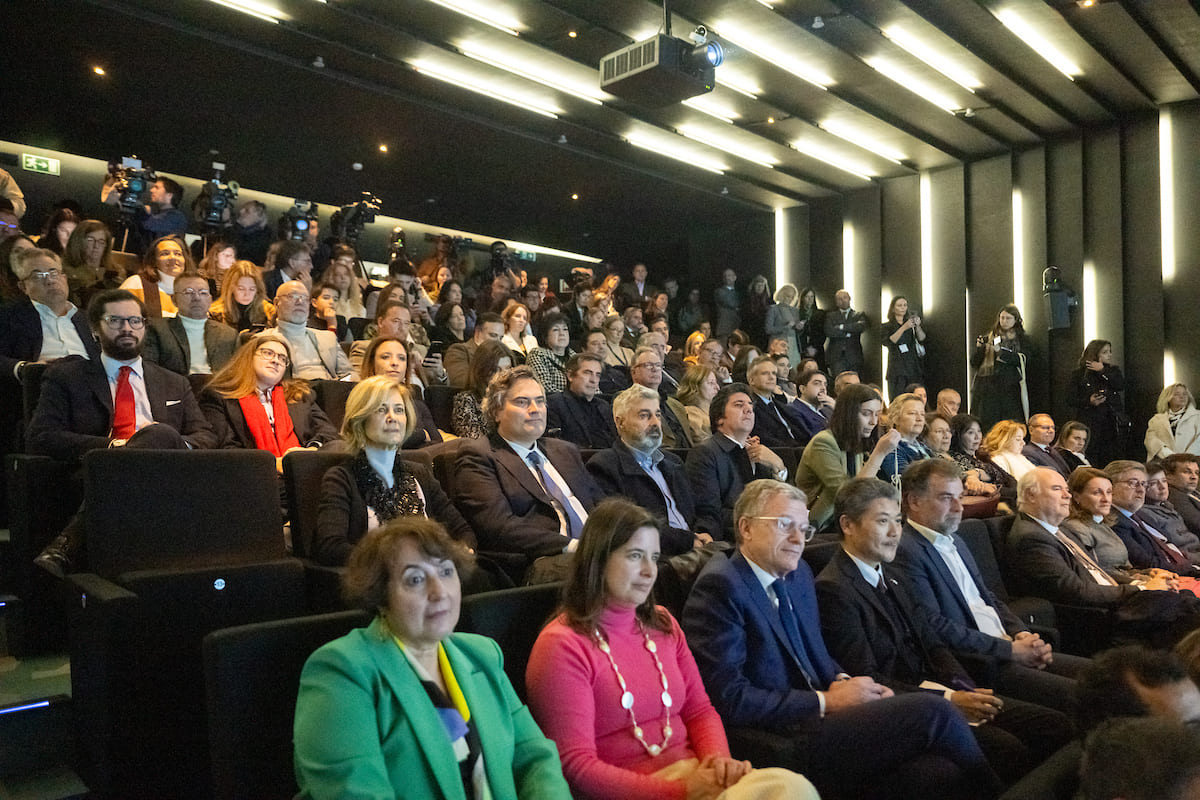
[[612, 682]]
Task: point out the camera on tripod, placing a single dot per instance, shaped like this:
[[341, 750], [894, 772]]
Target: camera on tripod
[[212, 208], [296, 223], [131, 181], [348, 221]]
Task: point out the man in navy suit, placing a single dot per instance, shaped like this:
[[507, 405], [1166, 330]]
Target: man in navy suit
[[637, 468], [752, 624], [523, 496], [944, 581], [774, 424], [1148, 547], [1040, 449], [43, 325]]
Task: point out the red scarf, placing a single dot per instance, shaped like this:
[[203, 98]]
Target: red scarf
[[283, 437]]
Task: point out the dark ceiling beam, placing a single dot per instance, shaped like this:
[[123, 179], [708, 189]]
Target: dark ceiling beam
[[1072, 17], [407, 97], [1138, 15]]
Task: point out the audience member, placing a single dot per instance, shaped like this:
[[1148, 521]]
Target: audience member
[[549, 362], [1176, 426], [608, 622], [293, 262], [243, 304], [390, 356], [1072, 444], [216, 263], [728, 303], [1137, 681], [1160, 514], [340, 275], [948, 402], [783, 320], [1148, 548], [165, 259], [1183, 476], [635, 466], [43, 325], [722, 466], [1095, 399], [1141, 759], [811, 405], [190, 343], [752, 622], [459, 356], [844, 328], [906, 415], [467, 419], [1040, 449], [10, 248], [999, 391], [695, 395], [516, 336], [646, 370], [843, 379], [87, 260], [966, 436], [873, 628], [1005, 445], [522, 496], [578, 414], [612, 379], [252, 233], [903, 338], [774, 422], [850, 446], [316, 355]]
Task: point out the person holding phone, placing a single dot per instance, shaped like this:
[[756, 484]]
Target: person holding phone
[[1096, 386], [999, 391], [903, 337]]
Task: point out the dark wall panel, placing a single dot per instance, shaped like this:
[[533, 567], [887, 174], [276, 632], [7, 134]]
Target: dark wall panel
[[863, 214], [1029, 179], [989, 239], [946, 320], [1181, 292], [825, 251]]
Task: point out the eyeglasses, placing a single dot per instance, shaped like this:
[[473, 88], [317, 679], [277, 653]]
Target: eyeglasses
[[96, 240], [295, 297], [116, 323], [650, 365], [785, 526], [45, 277], [195, 292], [1134, 483], [271, 356]]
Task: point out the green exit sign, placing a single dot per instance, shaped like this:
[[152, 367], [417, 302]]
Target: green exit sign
[[46, 166]]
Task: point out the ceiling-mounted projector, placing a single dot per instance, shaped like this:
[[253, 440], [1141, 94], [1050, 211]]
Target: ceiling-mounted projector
[[662, 70]]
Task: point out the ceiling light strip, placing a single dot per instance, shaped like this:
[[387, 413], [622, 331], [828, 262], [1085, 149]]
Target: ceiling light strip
[[257, 10], [914, 84], [923, 51], [733, 148], [832, 160], [849, 134], [657, 146], [480, 13], [434, 72], [691, 103], [1027, 33], [775, 56], [527, 75]]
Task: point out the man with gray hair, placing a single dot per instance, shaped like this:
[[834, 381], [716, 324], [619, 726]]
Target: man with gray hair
[[637, 468], [1148, 547], [752, 624], [646, 369], [43, 325]]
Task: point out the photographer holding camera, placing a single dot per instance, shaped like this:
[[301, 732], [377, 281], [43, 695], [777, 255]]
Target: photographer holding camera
[[160, 217]]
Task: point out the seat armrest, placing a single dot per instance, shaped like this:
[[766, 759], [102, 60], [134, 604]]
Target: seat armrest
[[92, 588]]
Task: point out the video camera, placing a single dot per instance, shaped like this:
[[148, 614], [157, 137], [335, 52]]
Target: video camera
[[297, 221], [348, 221], [131, 180], [212, 208]]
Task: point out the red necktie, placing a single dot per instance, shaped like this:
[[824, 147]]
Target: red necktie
[[124, 415]]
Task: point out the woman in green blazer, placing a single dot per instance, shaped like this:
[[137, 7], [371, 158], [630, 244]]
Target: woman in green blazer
[[407, 708]]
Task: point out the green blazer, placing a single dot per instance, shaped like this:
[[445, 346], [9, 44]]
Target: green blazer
[[365, 727]]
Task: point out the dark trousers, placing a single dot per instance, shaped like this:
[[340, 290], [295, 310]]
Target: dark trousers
[[1022, 736], [1052, 687]]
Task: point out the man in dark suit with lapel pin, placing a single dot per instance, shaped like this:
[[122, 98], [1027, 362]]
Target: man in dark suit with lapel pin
[[524, 496], [637, 468], [579, 414], [43, 309], [844, 328], [190, 343], [872, 627], [1040, 449], [944, 582], [117, 400], [751, 621]]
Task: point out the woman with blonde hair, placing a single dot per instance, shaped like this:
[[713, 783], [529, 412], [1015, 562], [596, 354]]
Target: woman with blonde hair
[[515, 338], [1176, 426], [87, 260], [783, 319], [1003, 444], [350, 300], [243, 303], [1000, 356], [691, 347], [378, 485], [697, 388]]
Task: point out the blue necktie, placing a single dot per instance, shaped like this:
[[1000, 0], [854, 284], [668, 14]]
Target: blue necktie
[[574, 523], [787, 615]]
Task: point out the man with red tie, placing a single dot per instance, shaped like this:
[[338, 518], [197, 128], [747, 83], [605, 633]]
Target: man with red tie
[[117, 400]]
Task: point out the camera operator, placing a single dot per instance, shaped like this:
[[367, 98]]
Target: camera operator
[[251, 235], [160, 217], [445, 254]]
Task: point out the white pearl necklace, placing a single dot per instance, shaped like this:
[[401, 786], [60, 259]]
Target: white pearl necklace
[[627, 696]]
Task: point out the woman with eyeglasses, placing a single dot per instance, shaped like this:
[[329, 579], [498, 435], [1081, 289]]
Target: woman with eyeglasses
[[88, 262], [252, 404], [612, 681]]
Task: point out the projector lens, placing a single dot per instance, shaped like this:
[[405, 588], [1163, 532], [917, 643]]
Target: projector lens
[[715, 53]]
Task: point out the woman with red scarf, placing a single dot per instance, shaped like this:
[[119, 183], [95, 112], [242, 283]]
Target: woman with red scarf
[[251, 404]]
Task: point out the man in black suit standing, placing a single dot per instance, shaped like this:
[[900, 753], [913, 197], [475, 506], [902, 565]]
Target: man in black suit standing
[[873, 628], [579, 414], [520, 495], [844, 327], [637, 291], [116, 400], [190, 343], [637, 468], [1040, 449], [722, 466], [43, 310], [944, 581]]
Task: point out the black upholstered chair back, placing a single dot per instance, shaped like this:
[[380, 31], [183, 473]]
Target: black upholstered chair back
[[303, 471], [513, 617], [440, 400]]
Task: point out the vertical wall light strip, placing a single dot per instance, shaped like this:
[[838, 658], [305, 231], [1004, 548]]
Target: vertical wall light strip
[[1091, 322], [848, 260], [1168, 367], [782, 256], [926, 244], [1018, 231], [969, 344], [1166, 183]]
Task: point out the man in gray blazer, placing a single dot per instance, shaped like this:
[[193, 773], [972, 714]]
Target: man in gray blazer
[[190, 343], [316, 355]]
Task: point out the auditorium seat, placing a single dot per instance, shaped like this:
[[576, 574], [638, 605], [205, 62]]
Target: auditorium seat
[[357, 325], [979, 539], [440, 400], [180, 543], [251, 677], [514, 618], [331, 397]]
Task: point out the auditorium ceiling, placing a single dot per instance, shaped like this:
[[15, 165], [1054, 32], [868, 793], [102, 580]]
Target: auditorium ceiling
[[814, 98]]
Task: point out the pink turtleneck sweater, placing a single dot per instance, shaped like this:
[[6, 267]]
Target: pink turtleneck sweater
[[575, 697]]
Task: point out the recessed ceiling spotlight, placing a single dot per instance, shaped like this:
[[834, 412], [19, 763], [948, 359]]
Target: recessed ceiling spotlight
[[818, 23], [572, 34], [562, 138], [574, 197], [99, 70], [356, 166], [383, 148], [318, 62], [770, 120]]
